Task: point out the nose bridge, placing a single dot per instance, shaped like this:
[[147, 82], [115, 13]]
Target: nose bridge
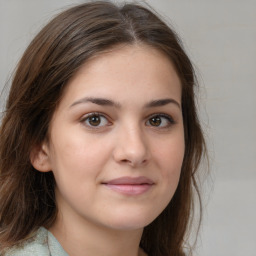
[[131, 145]]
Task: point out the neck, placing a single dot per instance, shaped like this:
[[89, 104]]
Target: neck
[[83, 238]]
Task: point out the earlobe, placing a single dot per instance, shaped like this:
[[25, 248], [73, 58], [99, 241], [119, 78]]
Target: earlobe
[[40, 158]]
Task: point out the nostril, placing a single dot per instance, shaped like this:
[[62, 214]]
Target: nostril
[[134, 162], [131, 151], [125, 161]]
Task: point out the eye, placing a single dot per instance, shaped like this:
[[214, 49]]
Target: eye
[[96, 120], [160, 121]]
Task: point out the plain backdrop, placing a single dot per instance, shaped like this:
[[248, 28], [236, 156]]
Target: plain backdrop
[[220, 38]]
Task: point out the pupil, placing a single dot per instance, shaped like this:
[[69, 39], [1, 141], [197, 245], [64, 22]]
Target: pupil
[[94, 120], [155, 121]]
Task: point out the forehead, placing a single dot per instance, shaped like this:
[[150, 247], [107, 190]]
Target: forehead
[[123, 70]]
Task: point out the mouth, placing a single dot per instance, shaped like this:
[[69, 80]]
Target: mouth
[[130, 185]]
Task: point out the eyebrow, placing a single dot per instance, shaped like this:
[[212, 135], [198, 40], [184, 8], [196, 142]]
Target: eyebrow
[[110, 103], [161, 102], [97, 101]]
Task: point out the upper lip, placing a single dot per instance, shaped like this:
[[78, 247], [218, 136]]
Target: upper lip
[[130, 181]]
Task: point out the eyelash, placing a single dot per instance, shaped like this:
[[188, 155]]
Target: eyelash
[[169, 119], [94, 114], [85, 118]]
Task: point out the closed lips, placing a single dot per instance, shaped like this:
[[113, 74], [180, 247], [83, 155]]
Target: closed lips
[[129, 185], [130, 181]]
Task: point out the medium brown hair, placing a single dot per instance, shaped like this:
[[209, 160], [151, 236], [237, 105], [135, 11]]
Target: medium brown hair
[[27, 199]]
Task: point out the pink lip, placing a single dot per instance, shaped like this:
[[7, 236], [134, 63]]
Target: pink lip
[[130, 185]]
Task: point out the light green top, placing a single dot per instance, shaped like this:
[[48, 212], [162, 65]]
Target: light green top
[[43, 243]]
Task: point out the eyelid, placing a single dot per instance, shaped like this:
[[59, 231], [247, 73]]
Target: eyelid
[[100, 114], [167, 116]]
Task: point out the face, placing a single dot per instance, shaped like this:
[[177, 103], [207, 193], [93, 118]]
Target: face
[[116, 141]]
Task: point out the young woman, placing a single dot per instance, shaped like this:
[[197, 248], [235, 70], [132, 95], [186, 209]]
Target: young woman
[[100, 140]]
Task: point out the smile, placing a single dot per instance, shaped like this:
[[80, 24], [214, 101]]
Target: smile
[[129, 185]]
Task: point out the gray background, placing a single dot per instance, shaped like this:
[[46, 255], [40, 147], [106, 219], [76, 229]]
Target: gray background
[[220, 37]]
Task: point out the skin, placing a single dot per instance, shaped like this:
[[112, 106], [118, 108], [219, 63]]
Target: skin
[[127, 138]]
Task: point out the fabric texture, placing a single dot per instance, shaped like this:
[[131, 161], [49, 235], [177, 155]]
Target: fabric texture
[[43, 243]]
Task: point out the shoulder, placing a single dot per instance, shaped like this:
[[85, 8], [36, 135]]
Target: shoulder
[[37, 245]]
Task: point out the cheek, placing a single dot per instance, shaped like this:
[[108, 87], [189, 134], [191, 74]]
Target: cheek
[[77, 165], [170, 157], [78, 155]]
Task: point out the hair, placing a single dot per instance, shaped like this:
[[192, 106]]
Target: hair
[[27, 199]]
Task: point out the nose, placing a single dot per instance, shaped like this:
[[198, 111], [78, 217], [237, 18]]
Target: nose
[[131, 147]]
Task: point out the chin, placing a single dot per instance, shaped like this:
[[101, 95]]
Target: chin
[[131, 222]]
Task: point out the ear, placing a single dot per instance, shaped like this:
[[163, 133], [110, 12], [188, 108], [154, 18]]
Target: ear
[[40, 158]]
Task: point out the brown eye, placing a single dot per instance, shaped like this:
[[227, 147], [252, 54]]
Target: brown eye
[[95, 120], [160, 121], [155, 121]]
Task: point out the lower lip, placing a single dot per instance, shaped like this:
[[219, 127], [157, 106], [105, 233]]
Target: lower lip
[[130, 189]]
